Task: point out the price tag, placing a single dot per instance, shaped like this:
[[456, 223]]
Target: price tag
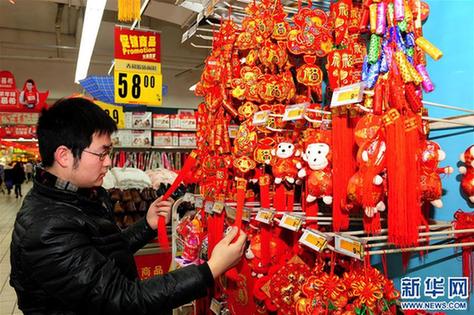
[[115, 112], [349, 246], [246, 215], [261, 117], [290, 222], [313, 239], [218, 207], [264, 216], [198, 201], [137, 82], [216, 306], [233, 129], [294, 112], [188, 197], [348, 94], [230, 212], [208, 206]]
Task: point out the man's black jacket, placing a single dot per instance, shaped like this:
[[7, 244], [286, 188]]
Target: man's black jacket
[[69, 257]]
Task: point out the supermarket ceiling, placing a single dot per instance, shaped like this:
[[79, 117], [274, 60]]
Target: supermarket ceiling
[[39, 39]]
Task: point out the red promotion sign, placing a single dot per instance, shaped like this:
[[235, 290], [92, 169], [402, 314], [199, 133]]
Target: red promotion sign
[[137, 45], [29, 99]]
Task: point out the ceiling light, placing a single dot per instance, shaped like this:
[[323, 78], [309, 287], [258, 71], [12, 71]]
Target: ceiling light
[[90, 28], [193, 87], [12, 1]]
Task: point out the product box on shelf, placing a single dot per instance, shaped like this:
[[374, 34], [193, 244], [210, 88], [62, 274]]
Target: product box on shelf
[[141, 120], [161, 121], [174, 122], [122, 138], [187, 139], [187, 119], [141, 138], [162, 139], [128, 119], [175, 139]]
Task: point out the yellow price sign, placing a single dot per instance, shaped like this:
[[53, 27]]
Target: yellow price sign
[[348, 94], [261, 117], [115, 112], [290, 222], [350, 247], [313, 240], [294, 112], [137, 82], [264, 216]]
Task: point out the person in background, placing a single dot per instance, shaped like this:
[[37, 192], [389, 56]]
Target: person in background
[[29, 171], [2, 178], [18, 178], [67, 254], [29, 96], [8, 177]]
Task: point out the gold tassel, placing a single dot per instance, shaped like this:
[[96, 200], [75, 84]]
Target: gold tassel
[[128, 10]]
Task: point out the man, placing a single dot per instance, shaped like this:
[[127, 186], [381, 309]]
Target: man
[[67, 254], [28, 171]]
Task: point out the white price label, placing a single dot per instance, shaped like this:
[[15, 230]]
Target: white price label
[[313, 239], [348, 94], [264, 216], [261, 117], [188, 197], [184, 37], [230, 212], [233, 129], [246, 215], [199, 201], [291, 222], [218, 207], [294, 112], [216, 306], [209, 205], [349, 246]]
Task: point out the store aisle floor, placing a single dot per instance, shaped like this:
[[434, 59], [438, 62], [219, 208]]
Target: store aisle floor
[[9, 206]]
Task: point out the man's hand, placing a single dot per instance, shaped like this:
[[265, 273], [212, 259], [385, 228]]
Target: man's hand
[[227, 254], [159, 208]]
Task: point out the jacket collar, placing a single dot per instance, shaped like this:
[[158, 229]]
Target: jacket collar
[[58, 189]]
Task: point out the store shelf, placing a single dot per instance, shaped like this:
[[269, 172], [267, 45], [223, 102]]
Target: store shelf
[[161, 129]]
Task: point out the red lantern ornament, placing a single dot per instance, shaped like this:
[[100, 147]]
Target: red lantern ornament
[[467, 170]]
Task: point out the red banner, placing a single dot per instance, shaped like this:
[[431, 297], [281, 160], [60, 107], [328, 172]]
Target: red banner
[[18, 131], [29, 99], [137, 45]]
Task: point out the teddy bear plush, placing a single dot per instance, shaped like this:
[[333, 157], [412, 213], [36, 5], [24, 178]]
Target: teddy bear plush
[[430, 156], [285, 161], [366, 187], [317, 170], [467, 181]]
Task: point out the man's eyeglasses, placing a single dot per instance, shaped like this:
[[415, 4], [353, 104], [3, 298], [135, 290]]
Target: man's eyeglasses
[[102, 155]]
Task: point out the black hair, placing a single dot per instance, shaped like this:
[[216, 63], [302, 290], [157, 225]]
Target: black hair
[[71, 122]]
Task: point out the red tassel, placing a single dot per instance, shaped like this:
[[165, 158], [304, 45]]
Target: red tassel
[[372, 225], [396, 171], [279, 200], [162, 234], [342, 169], [266, 234], [413, 189]]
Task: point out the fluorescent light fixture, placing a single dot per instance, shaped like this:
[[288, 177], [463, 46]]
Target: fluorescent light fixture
[[193, 87], [90, 28]]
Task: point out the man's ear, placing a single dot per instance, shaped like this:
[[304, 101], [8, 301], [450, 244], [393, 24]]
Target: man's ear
[[63, 156]]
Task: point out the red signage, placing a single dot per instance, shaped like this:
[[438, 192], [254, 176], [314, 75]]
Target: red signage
[[137, 45], [29, 99], [152, 264], [18, 131]]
